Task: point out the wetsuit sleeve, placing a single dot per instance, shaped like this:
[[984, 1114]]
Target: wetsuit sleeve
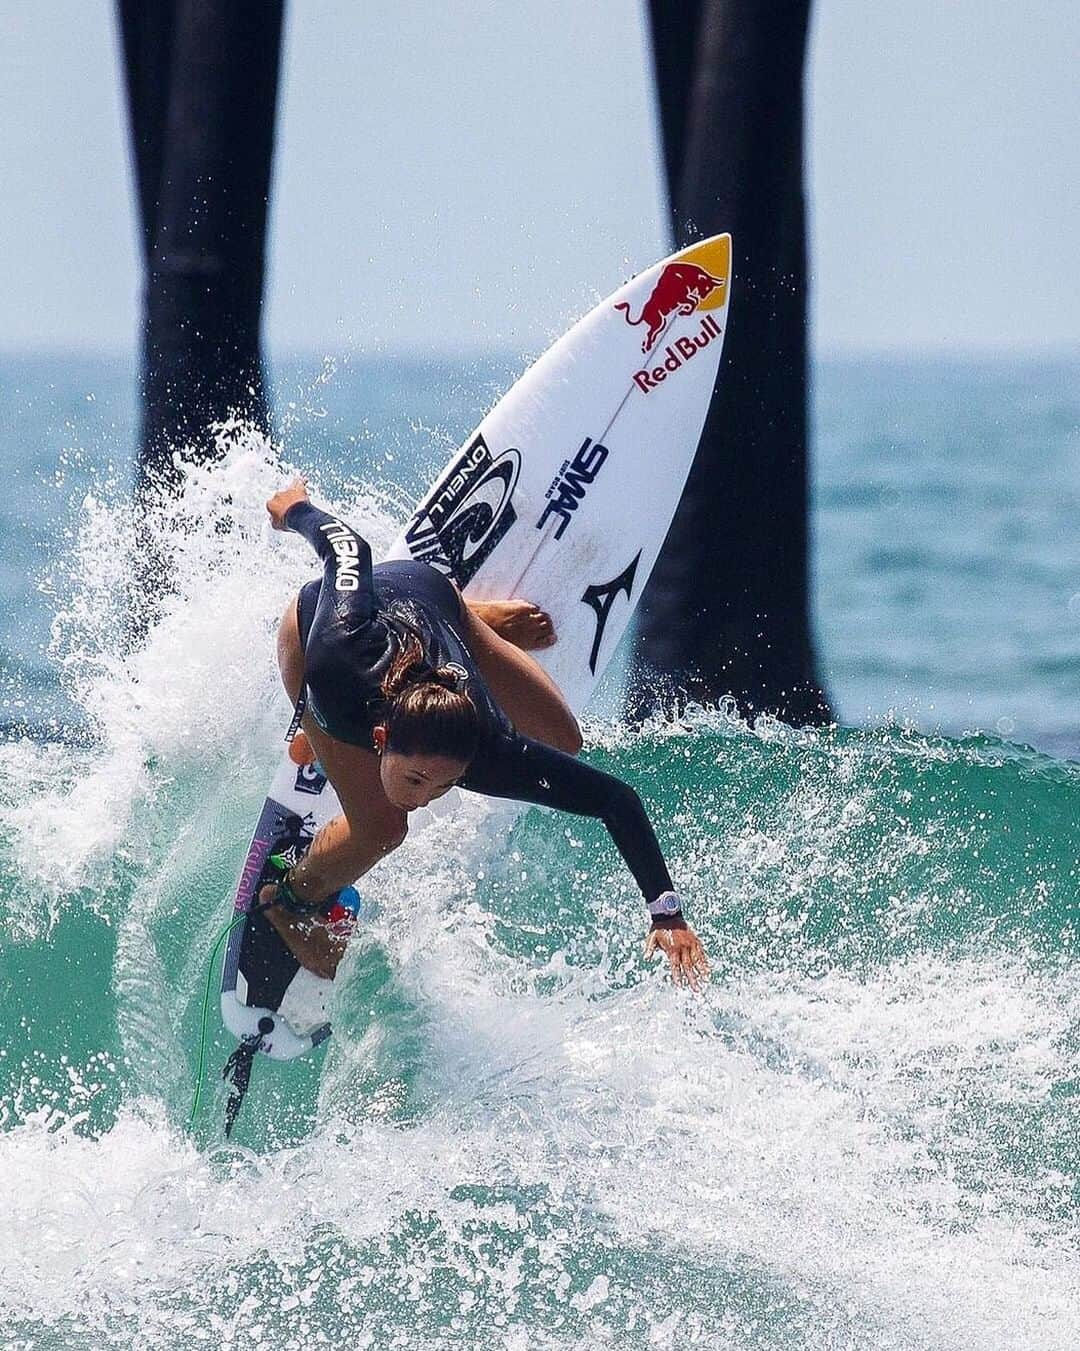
[[348, 593], [529, 771]]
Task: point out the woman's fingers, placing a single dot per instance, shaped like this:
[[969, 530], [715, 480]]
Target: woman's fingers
[[688, 976], [686, 957], [698, 958], [699, 966]]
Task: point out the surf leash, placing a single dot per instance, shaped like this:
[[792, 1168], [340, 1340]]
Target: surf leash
[[229, 1065], [206, 1010]]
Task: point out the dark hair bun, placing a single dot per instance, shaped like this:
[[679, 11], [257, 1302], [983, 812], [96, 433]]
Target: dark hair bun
[[427, 710]]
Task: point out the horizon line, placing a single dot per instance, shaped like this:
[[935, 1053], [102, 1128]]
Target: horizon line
[[471, 351]]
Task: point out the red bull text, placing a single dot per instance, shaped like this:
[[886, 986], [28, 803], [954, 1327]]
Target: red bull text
[[678, 354]]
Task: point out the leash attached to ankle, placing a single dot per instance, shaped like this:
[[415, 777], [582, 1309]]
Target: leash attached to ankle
[[294, 904]]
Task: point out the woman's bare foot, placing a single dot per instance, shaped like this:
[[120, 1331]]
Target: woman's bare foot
[[518, 621]]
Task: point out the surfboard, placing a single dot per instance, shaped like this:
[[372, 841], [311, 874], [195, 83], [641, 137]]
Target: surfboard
[[563, 495]]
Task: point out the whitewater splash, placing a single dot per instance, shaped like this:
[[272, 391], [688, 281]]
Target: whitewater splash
[[863, 1134]]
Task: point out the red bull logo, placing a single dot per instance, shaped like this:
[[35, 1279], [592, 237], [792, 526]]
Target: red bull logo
[[680, 290]]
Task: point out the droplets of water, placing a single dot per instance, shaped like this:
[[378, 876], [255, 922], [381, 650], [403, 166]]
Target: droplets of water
[[521, 1136]]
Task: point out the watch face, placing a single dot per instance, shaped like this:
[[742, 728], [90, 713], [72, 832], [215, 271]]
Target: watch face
[[667, 905]]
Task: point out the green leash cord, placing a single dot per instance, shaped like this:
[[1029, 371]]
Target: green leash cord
[[282, 865], [206, 1009], [299, 907]]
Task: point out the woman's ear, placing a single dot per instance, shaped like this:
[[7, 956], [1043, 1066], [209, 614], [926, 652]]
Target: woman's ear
[[378, 735]]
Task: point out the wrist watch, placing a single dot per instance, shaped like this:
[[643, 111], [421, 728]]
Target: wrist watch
[[668, 903]]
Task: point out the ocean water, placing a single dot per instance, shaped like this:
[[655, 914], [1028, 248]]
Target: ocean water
[[865, 1133]]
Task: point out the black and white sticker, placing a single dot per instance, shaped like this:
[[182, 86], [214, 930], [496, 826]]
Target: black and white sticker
[[602, 597], [572, 484], [467, 513], [310, 779]]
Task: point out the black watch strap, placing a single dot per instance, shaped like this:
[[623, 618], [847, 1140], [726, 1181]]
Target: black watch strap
[[669, 922]]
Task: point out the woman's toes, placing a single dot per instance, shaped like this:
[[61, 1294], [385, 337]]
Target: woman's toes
[[540, 629], [519, 622]]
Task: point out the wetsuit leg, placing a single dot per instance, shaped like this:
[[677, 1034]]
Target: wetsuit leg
[[371, 826]]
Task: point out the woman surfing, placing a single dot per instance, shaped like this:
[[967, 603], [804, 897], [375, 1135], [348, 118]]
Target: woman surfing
[[405, 690]]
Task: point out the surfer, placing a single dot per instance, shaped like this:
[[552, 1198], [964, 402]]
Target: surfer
[[403, 691]]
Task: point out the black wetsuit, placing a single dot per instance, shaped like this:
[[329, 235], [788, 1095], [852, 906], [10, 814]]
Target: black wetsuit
[[352, 623]]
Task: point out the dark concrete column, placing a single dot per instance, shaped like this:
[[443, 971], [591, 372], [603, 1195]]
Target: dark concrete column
[[202, 79], [727, 609]]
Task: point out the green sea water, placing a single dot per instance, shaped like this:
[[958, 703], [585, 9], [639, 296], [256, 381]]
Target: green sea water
[[863, 1134]]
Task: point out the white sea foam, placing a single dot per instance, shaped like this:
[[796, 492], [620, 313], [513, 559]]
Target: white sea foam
[[518, 1151], [793, 1138], [200, 689]]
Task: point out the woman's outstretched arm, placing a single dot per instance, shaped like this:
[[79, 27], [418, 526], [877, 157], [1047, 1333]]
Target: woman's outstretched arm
[[347, 597], [530, 771]]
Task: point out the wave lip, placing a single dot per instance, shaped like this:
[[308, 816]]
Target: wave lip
[[862, 1134]]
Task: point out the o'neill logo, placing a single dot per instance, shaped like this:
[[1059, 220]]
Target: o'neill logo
[[310, 779], [467, 513], [346, 548], [602, 598]]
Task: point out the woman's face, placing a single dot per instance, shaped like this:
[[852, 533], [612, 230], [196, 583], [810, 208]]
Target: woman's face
[[412, 781]]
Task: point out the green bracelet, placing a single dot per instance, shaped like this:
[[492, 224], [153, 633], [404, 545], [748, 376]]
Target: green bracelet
[[294, 904]]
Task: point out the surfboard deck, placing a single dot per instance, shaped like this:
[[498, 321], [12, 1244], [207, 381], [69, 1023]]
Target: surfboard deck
[[563, 495], [265, 992]]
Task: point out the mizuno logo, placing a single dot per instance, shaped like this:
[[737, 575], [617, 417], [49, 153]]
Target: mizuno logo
[[602, 598]]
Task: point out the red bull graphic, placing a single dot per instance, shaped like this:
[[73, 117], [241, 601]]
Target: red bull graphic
[[680, 290]]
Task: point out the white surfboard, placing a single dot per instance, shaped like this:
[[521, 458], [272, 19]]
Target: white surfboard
[[563, 495]]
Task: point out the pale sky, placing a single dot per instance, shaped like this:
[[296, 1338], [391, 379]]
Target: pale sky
[[476, 174]]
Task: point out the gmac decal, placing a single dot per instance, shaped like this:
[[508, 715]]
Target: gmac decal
[[467, 514], [602, 598], [572, 483]]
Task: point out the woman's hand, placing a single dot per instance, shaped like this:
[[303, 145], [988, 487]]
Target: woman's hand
[[281, 501], [314, 943], [684, 952]]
